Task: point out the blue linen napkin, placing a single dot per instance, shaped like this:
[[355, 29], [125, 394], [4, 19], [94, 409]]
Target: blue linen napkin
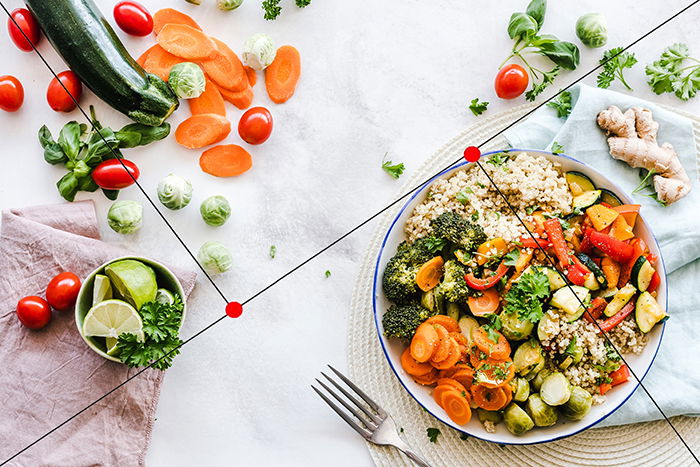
[[674, 378]]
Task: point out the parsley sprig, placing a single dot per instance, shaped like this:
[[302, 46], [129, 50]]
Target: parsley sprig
[[562, 104], [433, 434], [526, 295], [395, 170], [614, 62], [676, 71], [478, 107], [273, 9]]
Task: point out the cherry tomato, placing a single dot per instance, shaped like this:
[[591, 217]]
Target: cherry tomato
[[26, 21], [255, 125], [133, 18], [34, 312], [511, 81], [58, 98], [111, 174], [62, 291], [11, 93]]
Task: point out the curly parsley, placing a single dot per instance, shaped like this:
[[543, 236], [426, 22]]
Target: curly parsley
[[433, 434], [614, 61], [557, 148], [562, 104], [526, 295], [478, 107], [676, 71]]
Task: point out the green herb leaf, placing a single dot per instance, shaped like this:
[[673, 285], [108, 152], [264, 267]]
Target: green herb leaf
[[671, 73], [111, 194], [463, 196], [69, 139], [562, 104], [273, 251], [328, 274], [537, 9], [68, 186], [557, 148], [477, 107], [433, 434], [272, 9], [562, 53], [53, 154], [522, 25], [526, 296], [137, 134], [571, 348], [511, 257], [538, 88], [498, 159], [395, 170], [614, 61], [303, 3]]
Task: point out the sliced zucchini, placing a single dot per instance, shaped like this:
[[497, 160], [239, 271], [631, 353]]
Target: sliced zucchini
[[610, 198], [597, 272], [579, 183], [642, 272], [556, 282], [620, 299], [591, 283], [648, 312], [586, 200], [452, 310], [608, 293], [569, 300]]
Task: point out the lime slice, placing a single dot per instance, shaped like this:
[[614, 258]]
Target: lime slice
[[112, 318], [134, 281], [102, 290], [165, 296], [111, 343]]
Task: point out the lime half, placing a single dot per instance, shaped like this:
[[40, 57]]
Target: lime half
[[111, 343], [111, 318], [102, 290], [134, 281], [165, 296]]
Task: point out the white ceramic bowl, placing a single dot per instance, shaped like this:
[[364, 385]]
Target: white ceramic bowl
[[393, 348]]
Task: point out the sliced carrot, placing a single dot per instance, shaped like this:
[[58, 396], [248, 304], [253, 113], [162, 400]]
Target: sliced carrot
[[509, 394], [452, 358], [485, 304], [442, 350], [424, 342], [439, 391], [171, 16], [464, 376], [427, 380], [489, 398], [456, 405], [450, 371], [209, 102], [227, 160], [159, 62], [460, 338], [429, 274], [202, 130], [252, 76], [498, 350], [142, 58], [186, 42], [494, 374], [412, 367], [450, 382], [444, 321], [225, 68], [282, 76], [241, 100], [476, 357]]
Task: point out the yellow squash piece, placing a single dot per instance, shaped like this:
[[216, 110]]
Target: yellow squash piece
[[600, 216], [491, 249], [621, 230]]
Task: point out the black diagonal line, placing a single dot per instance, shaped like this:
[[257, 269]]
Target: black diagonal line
[[342, 237]]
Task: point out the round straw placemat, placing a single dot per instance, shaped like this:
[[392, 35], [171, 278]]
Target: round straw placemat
[[641, 444]]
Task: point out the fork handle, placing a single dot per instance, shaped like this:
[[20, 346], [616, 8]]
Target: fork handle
[[411, 455]]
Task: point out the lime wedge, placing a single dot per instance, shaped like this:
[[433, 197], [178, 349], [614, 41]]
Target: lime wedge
[[102, 290], [134, 281], [112, 318], [165, 296], [111, 343]]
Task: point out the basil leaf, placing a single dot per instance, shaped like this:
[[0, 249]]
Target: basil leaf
[[111, 194], [68, 186], [521, 25], [81, 169], [69, 139], [565, 54], [87, 184], [53, 154], [137, 134], [543, 39], [100, 146], [537, 9]]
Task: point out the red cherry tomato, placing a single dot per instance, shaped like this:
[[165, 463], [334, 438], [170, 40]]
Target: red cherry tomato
[[255, 125], [511, 81], [26, 21], [58, 98], [34, 312], [62, 291], [111, 174], [11, 93], [133, 18]]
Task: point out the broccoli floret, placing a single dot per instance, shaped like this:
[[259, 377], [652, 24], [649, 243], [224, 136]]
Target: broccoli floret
[[456, 229], [453, 285], [399, 279], [402, 320]]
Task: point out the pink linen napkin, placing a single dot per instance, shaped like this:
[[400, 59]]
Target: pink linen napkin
[[48, 375]]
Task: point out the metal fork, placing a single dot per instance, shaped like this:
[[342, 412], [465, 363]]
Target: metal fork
[[376, 426]]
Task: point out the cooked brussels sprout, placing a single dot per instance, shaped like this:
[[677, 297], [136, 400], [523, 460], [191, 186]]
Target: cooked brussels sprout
[[592, 29], [522, 389], [215, 210], [555, 389], [125, 216], [214, 257], [578, 405], [187, 80], [489, 415], [228, 5], [540, 413], [514, 328], [174, 192], [467, 325], [537, 381], [259, 51], [527, 357], [452, 311], [517, 420], [545, 328], [433, 301]]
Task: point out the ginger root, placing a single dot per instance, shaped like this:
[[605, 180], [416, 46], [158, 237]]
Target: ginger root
[[632, 139]]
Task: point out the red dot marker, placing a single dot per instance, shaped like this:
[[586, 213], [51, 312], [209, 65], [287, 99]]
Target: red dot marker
[[234, 309], [472, 154]]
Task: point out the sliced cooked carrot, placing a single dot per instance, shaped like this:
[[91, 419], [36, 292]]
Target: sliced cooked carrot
[[142, 58], [412, 367], [451, 382], [509, 394], [209, 102], [227, 160], [159, 62], [498, 350], [224, 68], [171, 16], [489, 398], [424, 342], [445, 321], [452, 358], [186, 42], [493, 374], [460, 338], [282, 76], [252, 76], [464, 376], [442, 350], [202, 130], [476, 357], [485, 304], [456, 405], [428, 379], [429, 274], [439, 391], [241, 99]]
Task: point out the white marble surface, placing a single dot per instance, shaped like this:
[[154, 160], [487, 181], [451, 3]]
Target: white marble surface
[[390, 76]]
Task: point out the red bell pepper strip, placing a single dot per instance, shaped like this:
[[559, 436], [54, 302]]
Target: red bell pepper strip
[[555, 234], [617, 250], [595, 311], [605, 387], [574, 274], [488, 282], [654, 283], [618, 317], [529, 242], [639, 247], [619, 376], [586, 246]]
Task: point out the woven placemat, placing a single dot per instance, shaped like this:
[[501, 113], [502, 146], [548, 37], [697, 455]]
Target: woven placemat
[[651, 443]]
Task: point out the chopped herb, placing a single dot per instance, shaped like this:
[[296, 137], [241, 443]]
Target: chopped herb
[[511, 257], [557, 148], [526, 295], [477, 107], [672, 74], [647, 183], [463, 196], [611, 353], [433, 434], [303, 3], [480, 185], [571, 348], [327, 274], [475, 216], [272, 9], [562, 104], [401, 429], [395, 170], [498, 159], [492, 327], [464, 436], [273, 251], [614, 61]]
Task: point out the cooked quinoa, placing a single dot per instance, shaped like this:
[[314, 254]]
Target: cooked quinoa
[[528, 181]]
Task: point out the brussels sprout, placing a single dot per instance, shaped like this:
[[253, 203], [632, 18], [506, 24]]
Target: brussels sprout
[[527, 357], [259, 51], [517, 420], [578, 404], [174, 192], [187, 80], [214, 257], [555, 389], [544, 327], [540, 413], [537, 381], [453, 311], [467, 325], [215, 210], [514, 328], [125, 216], [227, 5], [522, 389], [432, 300], [592, 29], [489, 416], [194, 2]]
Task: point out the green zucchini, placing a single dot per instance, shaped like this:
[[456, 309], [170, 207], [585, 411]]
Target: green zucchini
[[87, 43], [556, 281], [648, 312], [620, 299], [597, 272], [579, 183], [569, 300], [642, 272], [586, 200], [609, 198]]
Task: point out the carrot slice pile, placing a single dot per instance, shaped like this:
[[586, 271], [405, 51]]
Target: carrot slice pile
[[225, 68], [209, 102], [498, 350], [456, 405], [241, 99], [202, 130], [171, 16], [159, 62], [252, 76], [228, 160], [444, 321], [489, 398], [282, 76], [186, 42], [424, 342], [412, 367]]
